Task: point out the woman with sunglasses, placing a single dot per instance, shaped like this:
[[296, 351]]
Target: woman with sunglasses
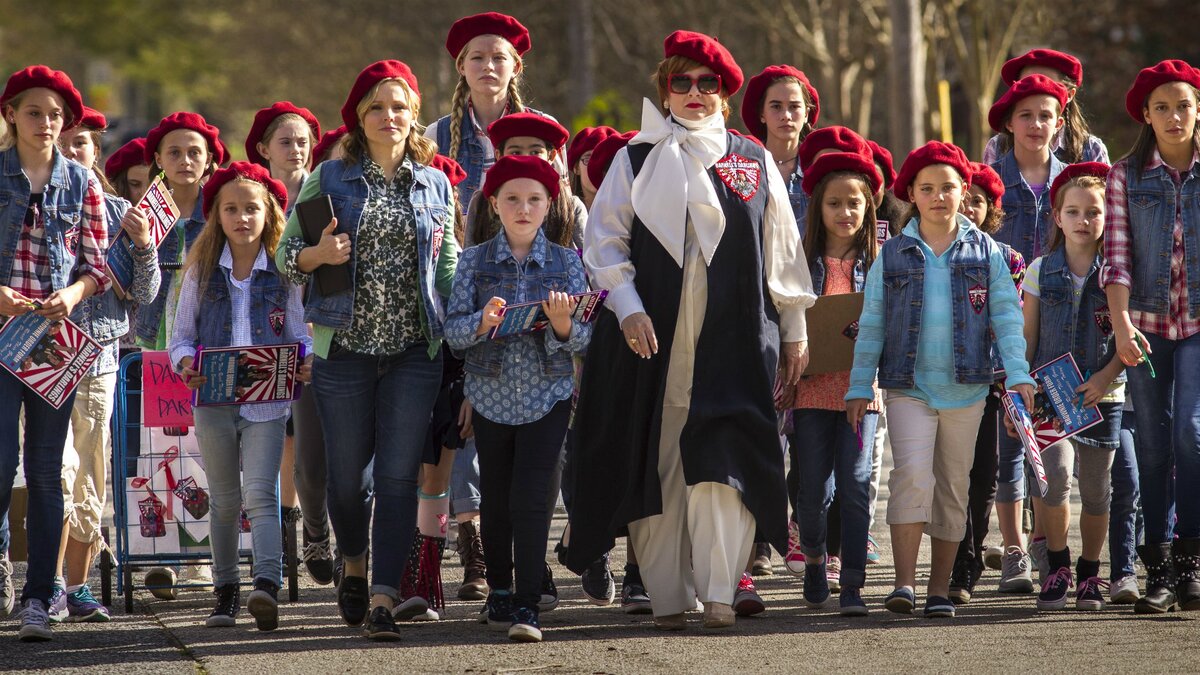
[[696, 243]]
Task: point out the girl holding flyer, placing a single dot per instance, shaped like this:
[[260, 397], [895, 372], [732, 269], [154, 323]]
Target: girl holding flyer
[[519, 386], [1066, 313], [51, 260], [231, 269]]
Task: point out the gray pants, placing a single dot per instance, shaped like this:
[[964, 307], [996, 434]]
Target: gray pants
[[1094, 466], [309, 474]]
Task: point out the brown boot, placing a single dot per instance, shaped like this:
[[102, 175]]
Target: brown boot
[[470, 554]]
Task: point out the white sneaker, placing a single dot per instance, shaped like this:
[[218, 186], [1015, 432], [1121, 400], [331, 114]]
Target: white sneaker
[[198, 577], [7, 594], [35, 622], [1039, 552], [1124, 591], [993, 558], [794, 560]]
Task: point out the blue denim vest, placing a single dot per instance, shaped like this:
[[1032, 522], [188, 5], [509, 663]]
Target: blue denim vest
[[431, 201], [997, 361], [903, 298], [817, 269], [1086, 332], [1027, 219], [62, 213], [268, 293], [1152, 200], [504, 279], [170, 261], [798, 199], [471, 154], [105, 317]]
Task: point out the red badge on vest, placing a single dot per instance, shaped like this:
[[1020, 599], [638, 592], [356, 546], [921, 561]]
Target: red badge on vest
[[439, 233], [275, 318], [851, 331], [1104, 320], [71, 240], [740, 175], [978, 297]]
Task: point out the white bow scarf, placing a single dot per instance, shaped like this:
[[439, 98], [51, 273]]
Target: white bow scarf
[[675, 177]]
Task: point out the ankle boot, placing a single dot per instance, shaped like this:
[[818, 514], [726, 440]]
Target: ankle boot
[[470, 554], [1187, 570], [1160, 580]]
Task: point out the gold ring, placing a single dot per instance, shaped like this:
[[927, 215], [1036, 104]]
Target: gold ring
[[633, 341]]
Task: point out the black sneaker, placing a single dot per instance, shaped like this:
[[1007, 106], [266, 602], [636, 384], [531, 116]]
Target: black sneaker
[[525, 625], [381, 625], [1055, 590], [317, 557], [961, 584], [339, 567], [229, 602], [497, 611], [353, 599], [263, 604], [634, 598], [549, 598], [598, 583]]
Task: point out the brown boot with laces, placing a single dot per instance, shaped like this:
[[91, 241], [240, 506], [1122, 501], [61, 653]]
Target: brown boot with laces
[[470, 554]]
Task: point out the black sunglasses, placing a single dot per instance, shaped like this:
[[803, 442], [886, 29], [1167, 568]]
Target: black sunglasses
[[709, 83]]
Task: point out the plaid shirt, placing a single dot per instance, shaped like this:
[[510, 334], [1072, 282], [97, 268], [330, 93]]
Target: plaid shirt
[[1118, 252], [31, 264]]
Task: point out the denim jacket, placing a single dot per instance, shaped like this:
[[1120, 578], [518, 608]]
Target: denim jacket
[[817, 269], [432, 206], [62, 212], [268, 298], [105, 317], [798, 199], [1086, 330], [1153, 200], [1027, 219], [170, 261], [471, 154]]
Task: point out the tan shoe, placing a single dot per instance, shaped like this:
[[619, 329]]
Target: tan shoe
[[718, 616], [671, 622]]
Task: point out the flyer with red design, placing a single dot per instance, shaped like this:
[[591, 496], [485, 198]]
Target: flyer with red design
[[255, 374], [528, 317], [162, 213], [49, 357]]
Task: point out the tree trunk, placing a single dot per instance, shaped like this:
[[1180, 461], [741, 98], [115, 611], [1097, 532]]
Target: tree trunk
[[906, 121]]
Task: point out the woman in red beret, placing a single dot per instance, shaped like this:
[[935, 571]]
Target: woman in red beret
[[106, 319], [1151, 280], [50, 261], [246, 301], [378, 342], [696, 243], [935, 361], [282, 138], [579, 154], [128, 171], [330, 146], [780, 108], [1074, 142]]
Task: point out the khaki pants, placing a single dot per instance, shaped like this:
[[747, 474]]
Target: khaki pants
[[84, 494]]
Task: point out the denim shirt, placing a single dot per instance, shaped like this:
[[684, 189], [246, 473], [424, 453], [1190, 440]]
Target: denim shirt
[[472, 155], [798, 199], [1153, 200], [933, 351], [1027, 218], [817, 269], [170, 260], [519, 378], [62, 211], [1084, 329]]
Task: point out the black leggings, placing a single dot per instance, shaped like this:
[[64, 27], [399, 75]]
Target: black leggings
[[982, 492], [516, 463]]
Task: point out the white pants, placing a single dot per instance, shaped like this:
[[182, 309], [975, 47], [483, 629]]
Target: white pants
[[699, 545]]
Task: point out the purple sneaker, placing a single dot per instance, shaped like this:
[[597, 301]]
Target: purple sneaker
[[83, 606], [58, 602]]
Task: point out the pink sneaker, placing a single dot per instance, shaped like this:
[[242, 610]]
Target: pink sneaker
[[833, 572], [746, 601], [795, 559]]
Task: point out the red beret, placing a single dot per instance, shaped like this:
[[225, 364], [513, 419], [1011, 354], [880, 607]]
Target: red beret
[[263, 119], [93, 119], [327, 142], [1097, 169], [1149, 79], [748, 137], [451, 168], [249, 171], [839, 139], [603, 154], [192, 122], [1034, 85], [369, 77], [883, 161], [933, 152], [489, 23], [43, 76], [707, 52], [126, 157], [841, 161], [527, 124], [756, 89], [585, 140], [521, 166], [1047, 58], [985, 178]]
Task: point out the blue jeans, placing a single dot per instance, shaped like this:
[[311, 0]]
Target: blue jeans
[[375, 414], [227, 439], [828, 452], [464, 479], [1123, 527], [1010, 475], [45, 436], [1168, 443]]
